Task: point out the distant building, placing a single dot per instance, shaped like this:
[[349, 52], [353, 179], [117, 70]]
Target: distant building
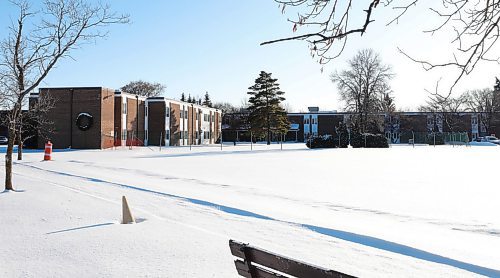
[[398, 127], [98, 118]]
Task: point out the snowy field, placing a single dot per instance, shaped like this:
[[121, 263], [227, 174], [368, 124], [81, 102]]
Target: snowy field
[[398, 212]]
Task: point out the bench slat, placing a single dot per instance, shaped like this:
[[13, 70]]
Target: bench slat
[[281, 263], [242, 269]]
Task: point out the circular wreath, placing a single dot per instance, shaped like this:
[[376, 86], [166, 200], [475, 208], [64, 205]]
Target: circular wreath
[[84, 121]]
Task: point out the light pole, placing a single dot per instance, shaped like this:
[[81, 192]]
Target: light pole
[[192, 126]]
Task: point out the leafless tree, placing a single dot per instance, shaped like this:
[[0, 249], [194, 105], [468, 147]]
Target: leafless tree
[[486, 103], [363, 86], [327, 25], [226, 108], [34, 122], [446, 107], [144, 88], [37, 41]]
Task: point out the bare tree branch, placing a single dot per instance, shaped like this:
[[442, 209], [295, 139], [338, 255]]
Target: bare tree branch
[[475, 23], [37, 41]]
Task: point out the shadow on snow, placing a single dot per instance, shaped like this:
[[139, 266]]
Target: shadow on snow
[[347, 236]]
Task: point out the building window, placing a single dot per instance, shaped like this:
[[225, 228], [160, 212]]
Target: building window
[[124, 108], [474, 120], [146, 111], [167, 112], [124, 134], [430, 121], [167, 134]]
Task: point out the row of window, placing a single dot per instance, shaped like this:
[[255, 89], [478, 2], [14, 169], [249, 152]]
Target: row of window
[[197, 134], [166, 135], [313, 121], [184, 114]]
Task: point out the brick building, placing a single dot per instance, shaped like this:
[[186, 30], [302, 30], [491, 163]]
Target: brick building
[[98, 118], [129, 119], [398, 127], [82, 118], [176, 123]]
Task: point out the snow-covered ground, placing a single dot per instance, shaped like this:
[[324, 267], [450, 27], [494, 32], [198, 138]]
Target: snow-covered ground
[[398, 212]]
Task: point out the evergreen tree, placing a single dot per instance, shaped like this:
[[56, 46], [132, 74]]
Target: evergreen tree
[[183, 97], [207, 101], [189, 98], [266, 113]]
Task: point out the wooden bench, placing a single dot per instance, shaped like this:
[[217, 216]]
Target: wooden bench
[[259, 263]]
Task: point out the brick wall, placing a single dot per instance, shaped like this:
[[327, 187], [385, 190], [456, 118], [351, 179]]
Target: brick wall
[[118, 120], [156, 123], [107, 118], [69, 103], [175, 124]]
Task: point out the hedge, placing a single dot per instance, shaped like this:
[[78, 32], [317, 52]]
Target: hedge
[[357, 141]]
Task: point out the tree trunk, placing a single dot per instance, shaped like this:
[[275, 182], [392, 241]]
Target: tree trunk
[[19, 145], [8, 160], [268, 129]]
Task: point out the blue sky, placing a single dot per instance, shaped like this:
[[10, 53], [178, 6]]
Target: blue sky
[[197, 46]]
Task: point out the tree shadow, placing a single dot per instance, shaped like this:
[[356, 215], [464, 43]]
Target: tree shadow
[[13, 191], [80, 228], [365, 240]]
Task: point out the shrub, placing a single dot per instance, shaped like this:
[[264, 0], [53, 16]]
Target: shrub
[[324, 141], [372, 140], [357, 141]]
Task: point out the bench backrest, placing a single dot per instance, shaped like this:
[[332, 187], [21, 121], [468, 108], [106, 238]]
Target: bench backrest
[[254, 258]]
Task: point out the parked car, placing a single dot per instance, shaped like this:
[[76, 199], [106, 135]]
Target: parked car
[[3, 140], [491, 139]]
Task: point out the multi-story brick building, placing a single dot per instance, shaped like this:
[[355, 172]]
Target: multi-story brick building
[[96, 117], [129, 120], [82, 118], [177, 123]]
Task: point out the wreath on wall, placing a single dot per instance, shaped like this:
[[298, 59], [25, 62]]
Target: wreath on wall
[[84, 121]]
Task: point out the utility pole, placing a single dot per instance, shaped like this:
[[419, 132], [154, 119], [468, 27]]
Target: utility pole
[[192, 126]]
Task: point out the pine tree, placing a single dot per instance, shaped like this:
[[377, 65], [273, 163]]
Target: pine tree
[[183, 97], [189, 98], [207, 101], [266, 113]]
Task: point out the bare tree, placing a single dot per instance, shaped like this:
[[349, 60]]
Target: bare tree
[[363, 86], [484, 102], [329, 23], [144, 88], [226, 107], [34, 122], [387, 104], [37, 41], [446, 107]]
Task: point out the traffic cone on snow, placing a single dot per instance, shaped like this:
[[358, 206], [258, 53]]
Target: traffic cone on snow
[[48, 151], [127, 215]]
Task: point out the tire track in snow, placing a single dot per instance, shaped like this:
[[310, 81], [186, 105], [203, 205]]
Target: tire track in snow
[[118, 202], [344, 235], [458, 226]]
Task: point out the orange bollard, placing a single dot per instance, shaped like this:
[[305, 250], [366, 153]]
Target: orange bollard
[[48, 151]]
